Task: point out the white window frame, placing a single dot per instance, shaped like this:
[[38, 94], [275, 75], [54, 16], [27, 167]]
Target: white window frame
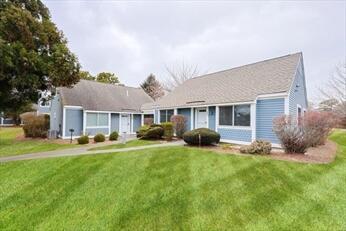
[[165, 116], [97, 120], [233, 126]]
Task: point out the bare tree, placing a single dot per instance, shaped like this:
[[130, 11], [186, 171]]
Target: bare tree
[[336, 90], [153, 87], [178, 74]]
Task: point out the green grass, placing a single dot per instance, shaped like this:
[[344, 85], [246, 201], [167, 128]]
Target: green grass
[[9, 146], [129, 144], [173, 188]]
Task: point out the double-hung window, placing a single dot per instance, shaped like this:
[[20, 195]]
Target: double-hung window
[[97, 119], [237, 115], [165, 115]]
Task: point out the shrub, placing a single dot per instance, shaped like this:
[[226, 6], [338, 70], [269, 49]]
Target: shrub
[[201, 136], [257, 147], [153, 133], [179, 124], [36, 126], [317, 126], [312, 130], [142, 130], [155, 125], [99, 138], [114, 136], [167, 130], [226, 146], [83, 140]]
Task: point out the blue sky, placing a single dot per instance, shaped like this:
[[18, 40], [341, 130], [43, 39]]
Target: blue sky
[[134, 39]]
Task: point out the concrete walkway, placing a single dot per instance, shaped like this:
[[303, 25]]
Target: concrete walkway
[[82, 151]]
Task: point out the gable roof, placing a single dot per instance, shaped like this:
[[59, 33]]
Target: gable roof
[[96, 96], [239, 84]]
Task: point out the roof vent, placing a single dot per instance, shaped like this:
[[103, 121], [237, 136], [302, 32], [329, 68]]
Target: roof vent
[[198, 101]]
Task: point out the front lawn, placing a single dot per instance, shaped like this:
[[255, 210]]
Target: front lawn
[[173, 188], [9, 146], [129, 144]]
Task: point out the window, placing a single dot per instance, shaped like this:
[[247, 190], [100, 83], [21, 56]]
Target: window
[[226, 115], [165, 115], [238, 115], [97, 120], [242, 115]]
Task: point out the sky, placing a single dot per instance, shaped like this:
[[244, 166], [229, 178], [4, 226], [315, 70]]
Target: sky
[[133, 39]]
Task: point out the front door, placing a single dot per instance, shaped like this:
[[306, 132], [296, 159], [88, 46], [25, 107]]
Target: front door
[[125, 123], [201, 118]]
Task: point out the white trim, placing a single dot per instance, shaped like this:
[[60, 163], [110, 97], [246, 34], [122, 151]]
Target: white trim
[[253, 118], [63, 121], [73, 107], [93, 127], [287, 108], [109, 123], [84, 123], [216, 118], [120, 130], [192, 119], [175, 111], [273, 95], [235, 141], [142, 119], [131, 123], [235, 127], [207, 105]]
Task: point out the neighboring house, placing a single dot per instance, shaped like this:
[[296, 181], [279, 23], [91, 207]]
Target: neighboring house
[[239, 103], [91, 107], [6, 121]]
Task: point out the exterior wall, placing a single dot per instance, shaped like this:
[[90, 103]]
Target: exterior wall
[[156, 117], [73, 119], [243, 135], [56, 115], [187, 113], [297, 93], [7, 121], [94, 131], [114, 122], [266, 111], [137, 121], [211, 118], [43, 110]]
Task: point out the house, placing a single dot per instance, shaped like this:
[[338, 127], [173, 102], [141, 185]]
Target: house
[[239, 103], [91, 107]]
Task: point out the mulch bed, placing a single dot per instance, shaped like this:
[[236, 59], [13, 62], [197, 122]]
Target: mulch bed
[[322, 154]]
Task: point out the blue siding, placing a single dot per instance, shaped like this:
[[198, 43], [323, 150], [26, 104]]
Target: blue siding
[[266, 111], [114, 122], [56, 114], [94, 131], [187, 113], [235, 134], [43, 110], [74, 119], [136, 122], [298, 92], [156, 117], [211, 121]]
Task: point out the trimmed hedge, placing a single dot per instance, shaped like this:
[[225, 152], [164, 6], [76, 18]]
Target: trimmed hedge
[[83, 140], [99, 138], [142, 130], [168, 130], [154, 133], [201, 136], [36, 126], [114, 136]]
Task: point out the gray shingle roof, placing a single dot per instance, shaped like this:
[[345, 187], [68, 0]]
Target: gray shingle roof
[[97, 96], [240, 84]]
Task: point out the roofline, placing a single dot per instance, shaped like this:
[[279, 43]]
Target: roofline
[[115, 85], [249, 64]]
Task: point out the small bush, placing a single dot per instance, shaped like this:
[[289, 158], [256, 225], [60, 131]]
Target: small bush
[[201, 136], [83, 140], [226, 146], [99, 138], [257, 147], [155, 125], [36, 126], [142, 130], [114, 136], [167, 130], [153, 133], [179, 124]]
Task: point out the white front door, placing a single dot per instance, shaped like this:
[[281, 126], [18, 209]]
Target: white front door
[[201, 118], [125, 123]]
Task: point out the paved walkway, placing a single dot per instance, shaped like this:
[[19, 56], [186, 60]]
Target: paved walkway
[[82, 151]]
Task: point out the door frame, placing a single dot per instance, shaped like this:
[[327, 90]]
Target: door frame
[[129, 117], [196, 111]]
